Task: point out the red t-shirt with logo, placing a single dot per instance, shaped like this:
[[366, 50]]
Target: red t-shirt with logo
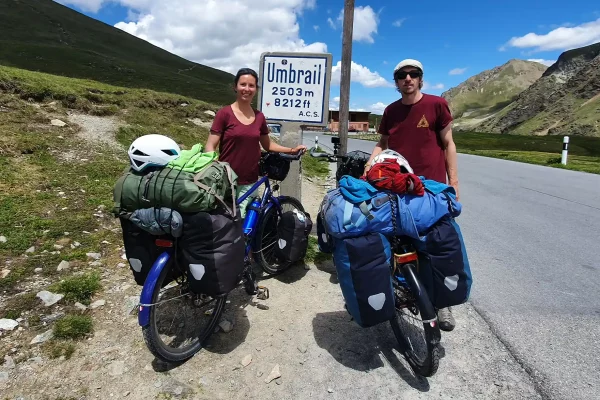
[[239, 144], [413, 131]]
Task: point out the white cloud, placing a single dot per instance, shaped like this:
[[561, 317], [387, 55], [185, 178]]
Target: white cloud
[[377, 108], [209, 32], [398, 23], [563, 38], [542, 61], [334, 104], [92, 6], [364, 26], [457, 71], [429, 86], [316, 27], [360, 74]]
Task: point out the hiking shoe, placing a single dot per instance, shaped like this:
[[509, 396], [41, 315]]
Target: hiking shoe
[[446, 320]]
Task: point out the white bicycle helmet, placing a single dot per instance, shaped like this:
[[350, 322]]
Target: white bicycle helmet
[[152, 150], [391, 154]]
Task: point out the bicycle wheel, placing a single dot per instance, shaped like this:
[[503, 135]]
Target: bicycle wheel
[[417, 336], [266, 236], [178, 337]]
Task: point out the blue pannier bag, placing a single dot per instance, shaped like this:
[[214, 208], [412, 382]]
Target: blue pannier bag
[[363, 269], [444, 265]]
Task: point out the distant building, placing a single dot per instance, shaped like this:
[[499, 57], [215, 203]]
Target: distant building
[[359, 121]]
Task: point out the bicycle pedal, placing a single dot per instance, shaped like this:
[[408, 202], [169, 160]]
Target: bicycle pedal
[[263, 293]]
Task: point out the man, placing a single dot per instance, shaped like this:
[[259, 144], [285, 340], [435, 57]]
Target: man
[[418, 126]]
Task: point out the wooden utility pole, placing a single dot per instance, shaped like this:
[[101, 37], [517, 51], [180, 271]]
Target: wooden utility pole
[[345, 75]]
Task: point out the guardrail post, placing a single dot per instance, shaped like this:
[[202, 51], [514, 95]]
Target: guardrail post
[[565, 150]]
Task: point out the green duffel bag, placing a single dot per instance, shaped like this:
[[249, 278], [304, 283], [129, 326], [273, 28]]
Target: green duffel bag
[[213, 186]]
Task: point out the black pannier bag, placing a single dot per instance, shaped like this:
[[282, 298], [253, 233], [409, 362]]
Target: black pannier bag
[[141, 251], [292, 236], [211, 251], [354, 165], [274, 166], [444, 267]]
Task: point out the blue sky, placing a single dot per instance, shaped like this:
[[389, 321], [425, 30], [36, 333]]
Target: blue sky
[[454, 40]]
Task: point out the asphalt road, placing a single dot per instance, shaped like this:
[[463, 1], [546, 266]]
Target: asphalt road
[[533, 238]]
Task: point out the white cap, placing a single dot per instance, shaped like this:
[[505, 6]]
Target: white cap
[[409, 62]]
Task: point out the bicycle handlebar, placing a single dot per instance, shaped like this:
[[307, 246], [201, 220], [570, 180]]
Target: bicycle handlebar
[[328, 156], [291, 156]]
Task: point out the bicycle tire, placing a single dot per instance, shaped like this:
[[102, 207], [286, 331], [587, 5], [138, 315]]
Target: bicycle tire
[[428, 366], [153, 340], [266, 225]]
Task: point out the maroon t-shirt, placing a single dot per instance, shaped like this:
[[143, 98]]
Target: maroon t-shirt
[[414, 132], [239, 144]]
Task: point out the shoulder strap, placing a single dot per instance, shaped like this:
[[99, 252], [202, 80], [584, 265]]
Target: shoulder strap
[[212, 192]]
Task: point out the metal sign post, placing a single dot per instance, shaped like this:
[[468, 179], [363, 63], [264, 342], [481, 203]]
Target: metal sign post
[[294, 92]]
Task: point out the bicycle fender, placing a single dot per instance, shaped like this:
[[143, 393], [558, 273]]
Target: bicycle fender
[[148, 288], [426, 307]]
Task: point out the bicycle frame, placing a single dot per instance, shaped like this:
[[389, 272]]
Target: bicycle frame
[[268, 201]]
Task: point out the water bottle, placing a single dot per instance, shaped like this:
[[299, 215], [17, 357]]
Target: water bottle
[[251, 216]]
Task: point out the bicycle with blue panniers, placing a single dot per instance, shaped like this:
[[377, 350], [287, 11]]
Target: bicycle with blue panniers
[[398, 257], [187, 246]]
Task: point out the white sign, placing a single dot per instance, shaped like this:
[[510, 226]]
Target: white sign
[[295, 87]]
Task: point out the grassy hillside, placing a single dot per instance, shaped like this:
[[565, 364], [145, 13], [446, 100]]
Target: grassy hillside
[[42, 35], [56, 187], [491, 90]]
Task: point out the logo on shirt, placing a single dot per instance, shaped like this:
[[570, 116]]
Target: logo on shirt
[[423, 122]]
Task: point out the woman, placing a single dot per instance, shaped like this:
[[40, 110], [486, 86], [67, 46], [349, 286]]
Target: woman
[[239, 130]]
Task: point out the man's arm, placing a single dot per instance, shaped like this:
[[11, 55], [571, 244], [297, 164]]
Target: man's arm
[[451, 158], [381, 145]]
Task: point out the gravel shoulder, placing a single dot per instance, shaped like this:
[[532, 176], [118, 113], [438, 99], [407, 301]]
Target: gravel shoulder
[[319, 351]]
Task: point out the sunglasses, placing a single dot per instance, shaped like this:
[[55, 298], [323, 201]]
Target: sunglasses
[[403, 74]]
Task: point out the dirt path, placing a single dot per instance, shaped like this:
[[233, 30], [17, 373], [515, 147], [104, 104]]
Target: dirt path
[[320, 352]]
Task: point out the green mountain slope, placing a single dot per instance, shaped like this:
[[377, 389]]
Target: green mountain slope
[[564, 101], [44, 36], [489, 91]]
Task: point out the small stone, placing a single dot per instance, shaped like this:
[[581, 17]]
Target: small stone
[[278, 382], [30, 250], [2, 239], [97, 303], [96, 264], [261, 306], [247, 360], [3, 377], [9, 363], [80, 306], [57, 122], [63, 265], [274, 374], [126, 394], [58, 247], [121, 265], [95, 256], [8, 324], [302, 349], [49, 298], [37, 270], [4, 273], [43, 337], [116, 368], [209, 112], [330, 390], [226, 326]]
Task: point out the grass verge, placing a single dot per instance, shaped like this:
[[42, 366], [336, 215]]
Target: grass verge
[[314, 167]]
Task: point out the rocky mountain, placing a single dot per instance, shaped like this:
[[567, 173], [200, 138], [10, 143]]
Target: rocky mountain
[[565, 100], [489, 91]]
